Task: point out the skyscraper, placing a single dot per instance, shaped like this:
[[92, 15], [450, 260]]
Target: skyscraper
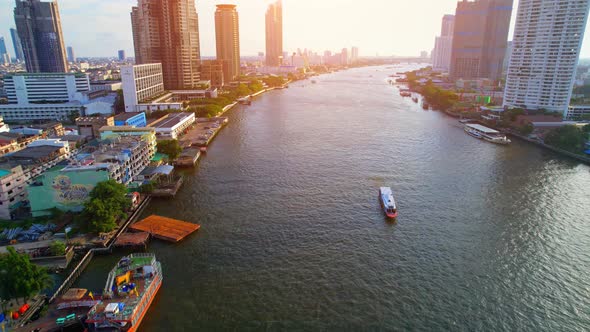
[[227, 37], [441, 55], [480, 34], [354, 57], [167, 32], [18, 48], [39, 29], [274, 34], [71, 56], [4, 56], [545, 51], [122, 56], [344, 58]]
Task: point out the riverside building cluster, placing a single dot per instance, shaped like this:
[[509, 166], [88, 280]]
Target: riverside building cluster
[[539, 64]]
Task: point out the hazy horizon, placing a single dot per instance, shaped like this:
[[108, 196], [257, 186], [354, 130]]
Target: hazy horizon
[[98, 28]]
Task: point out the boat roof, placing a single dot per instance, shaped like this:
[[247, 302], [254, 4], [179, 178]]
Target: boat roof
[[481, 128], [385, 190]]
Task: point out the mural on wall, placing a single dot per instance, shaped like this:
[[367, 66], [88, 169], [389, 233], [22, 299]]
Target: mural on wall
[[66, 191], [67, 194]]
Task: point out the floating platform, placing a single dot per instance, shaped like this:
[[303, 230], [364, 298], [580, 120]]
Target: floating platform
[[139, 239], [165, 228]]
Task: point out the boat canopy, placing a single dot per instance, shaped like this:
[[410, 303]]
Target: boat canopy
[[481, 128]]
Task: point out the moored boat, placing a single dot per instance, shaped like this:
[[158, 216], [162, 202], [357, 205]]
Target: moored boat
[[488, 134], [387, 202], [129, 291]]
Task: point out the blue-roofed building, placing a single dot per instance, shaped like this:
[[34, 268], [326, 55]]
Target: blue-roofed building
[[135, 119]]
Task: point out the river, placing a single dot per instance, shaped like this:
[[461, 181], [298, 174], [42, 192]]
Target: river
[[488, 238]]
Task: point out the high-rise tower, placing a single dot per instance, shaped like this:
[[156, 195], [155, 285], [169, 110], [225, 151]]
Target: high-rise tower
[[227, 36], [480, 34], [18, 48], [443, 44], [274, 34], [167, 32], [39, 29], [545, 51]]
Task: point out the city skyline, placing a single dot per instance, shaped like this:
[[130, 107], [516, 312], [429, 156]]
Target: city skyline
[[111, 30]]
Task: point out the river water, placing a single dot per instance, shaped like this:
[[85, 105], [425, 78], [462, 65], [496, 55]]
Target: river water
[[488, 238]]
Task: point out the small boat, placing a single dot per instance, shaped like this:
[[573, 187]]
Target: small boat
[[313, 81], [203, 149], [488, 134], [388, 202]]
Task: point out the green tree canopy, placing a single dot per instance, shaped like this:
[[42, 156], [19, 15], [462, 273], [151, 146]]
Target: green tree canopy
[[570, 138], [242, 90], [170, 147], [107, 202], [274, 81], [19, 278], [57, 248]]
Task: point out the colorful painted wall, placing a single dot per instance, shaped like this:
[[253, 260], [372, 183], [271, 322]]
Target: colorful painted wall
[[66, 191]]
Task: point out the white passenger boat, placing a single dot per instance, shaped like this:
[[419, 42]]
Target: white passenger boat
[[488, 134]]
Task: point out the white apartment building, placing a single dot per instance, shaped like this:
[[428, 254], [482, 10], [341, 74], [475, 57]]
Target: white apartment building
[[13, 182], [545, 51], [43, 96], [141, 83]]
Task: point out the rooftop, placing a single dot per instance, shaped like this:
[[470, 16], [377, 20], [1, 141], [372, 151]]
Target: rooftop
[[126, 116], [170, 120], [36, 152]]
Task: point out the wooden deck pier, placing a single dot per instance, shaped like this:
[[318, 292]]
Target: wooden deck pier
[[165, 228]]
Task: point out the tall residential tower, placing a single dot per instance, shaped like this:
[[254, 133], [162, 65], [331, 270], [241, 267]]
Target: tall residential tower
[[167, 32], [18, 48], [545, 51], [39, 29], [480, 34], [443, 44], [227, 37], [274, 34]]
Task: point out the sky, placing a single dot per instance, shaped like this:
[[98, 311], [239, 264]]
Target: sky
[[377, 27]]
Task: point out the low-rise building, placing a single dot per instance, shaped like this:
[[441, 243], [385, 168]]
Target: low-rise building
[[135, 119], [105, 86], [18, 169], [121, 158], [577, 113], [172, 125], [13, 181], [90, 125], [212, 70]]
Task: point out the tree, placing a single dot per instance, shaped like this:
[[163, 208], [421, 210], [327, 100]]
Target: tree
[[242, 90], [107, 202], [73, 116], [527, 129], [570, 138], [57, 248], [19, 278], [170, 147]]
